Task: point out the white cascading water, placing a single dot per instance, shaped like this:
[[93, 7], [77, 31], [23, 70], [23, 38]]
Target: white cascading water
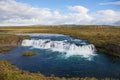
[[62, 46]]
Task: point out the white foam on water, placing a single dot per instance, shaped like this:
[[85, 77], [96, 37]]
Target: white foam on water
[[70, 49]]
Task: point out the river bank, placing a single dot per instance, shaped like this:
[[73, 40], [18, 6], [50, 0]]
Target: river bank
[[10, 72], [10, 41], [105, 38]]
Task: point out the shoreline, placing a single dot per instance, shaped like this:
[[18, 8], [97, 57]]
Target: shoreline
[[108, 48], [103, 45], [10, 41], [10, 72]]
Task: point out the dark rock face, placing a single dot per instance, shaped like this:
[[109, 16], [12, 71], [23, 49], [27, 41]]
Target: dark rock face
[[110, 48], [113, 47]]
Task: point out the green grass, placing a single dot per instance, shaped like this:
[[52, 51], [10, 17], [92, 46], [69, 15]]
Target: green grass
[[28, 53]]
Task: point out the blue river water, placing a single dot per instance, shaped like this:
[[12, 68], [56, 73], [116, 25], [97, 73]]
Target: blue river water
[[49, 61]]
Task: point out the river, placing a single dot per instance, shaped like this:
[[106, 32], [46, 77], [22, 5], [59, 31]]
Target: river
[[63, 56]]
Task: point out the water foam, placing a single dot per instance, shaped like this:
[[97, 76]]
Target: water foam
[[64, 46]]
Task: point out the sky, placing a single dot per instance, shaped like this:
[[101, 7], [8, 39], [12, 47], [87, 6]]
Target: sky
[[59, 12]]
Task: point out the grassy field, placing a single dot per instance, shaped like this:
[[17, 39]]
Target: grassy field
[[105, 38], [8, 42]]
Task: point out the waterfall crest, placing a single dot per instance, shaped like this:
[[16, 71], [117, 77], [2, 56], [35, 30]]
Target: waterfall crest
[[61, 46]]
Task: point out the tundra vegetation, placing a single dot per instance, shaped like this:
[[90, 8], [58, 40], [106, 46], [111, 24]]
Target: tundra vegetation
[[28, 53], [105, 38], [10, 41]]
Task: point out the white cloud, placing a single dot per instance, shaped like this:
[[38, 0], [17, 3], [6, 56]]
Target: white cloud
[[106, 17], [12, 12], [15, 12], [111, 3], [79, 9]]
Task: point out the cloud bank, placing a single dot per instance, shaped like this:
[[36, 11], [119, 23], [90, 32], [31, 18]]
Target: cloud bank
[[16, 13], [111, 3]]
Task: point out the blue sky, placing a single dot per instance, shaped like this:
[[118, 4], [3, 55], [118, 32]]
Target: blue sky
[[93, 5], [52, 12]]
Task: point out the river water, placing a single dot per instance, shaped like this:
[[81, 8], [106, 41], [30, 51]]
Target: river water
[[63, 56]]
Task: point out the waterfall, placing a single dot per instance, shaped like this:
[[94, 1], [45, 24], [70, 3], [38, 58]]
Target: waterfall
[[61, 46]]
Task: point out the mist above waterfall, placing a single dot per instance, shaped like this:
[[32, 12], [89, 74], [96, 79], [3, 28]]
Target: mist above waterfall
[[68, 46]]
